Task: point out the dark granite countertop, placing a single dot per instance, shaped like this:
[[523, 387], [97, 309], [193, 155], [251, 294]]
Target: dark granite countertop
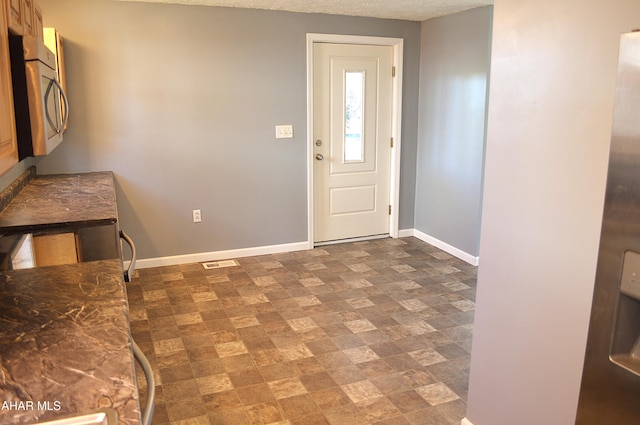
[[59, 200], [65, 345]]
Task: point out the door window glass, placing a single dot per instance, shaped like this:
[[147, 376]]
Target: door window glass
[[353, 116]]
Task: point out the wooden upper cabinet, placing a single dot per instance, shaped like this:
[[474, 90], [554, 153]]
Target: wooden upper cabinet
[[38, 23], [15, 15], [27, 27], [8, 142], [24, 17]]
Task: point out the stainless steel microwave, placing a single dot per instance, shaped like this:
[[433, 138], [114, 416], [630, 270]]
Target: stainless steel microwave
[[39, 100]]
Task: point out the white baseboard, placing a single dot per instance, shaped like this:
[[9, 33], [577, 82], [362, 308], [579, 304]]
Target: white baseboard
[[465, 421], [289, 247], [220, 255], [464, 256], [403, 233]]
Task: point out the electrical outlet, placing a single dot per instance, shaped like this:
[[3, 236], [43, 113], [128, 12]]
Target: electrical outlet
[[197, 216]]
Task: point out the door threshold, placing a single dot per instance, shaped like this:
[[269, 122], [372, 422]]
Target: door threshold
[[359, 239]]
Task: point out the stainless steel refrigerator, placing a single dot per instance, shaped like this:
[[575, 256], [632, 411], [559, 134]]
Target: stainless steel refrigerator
[[610, 390]]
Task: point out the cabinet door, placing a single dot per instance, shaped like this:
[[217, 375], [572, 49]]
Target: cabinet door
[[55, 250], [8, 144], [27, 12], [15, 15], [38, 25]]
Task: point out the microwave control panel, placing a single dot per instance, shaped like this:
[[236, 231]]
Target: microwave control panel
[[630, 280]]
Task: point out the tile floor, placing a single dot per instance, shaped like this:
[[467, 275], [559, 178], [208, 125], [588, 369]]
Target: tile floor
[[375, 332]]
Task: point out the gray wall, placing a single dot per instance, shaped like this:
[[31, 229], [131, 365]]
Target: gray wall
[[553, 73], [454, 64], [181, 103], [15, 172]]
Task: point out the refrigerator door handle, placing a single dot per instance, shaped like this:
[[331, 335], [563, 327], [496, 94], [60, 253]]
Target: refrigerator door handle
[[128, 274]]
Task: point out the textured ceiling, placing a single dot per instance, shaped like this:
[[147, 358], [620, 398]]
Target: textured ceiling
[[412, 10]]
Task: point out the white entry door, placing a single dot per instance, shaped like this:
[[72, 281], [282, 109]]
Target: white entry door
[[352, 140]]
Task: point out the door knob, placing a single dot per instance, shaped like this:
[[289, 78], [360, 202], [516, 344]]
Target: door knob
[[319, 157]]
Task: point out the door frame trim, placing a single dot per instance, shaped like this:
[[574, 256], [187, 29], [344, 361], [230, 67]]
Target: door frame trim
[[396, 121]]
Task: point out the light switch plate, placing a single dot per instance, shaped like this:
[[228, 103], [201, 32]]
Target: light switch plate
[[284, 131]]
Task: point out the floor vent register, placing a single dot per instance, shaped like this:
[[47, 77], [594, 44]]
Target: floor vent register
[[219, 264]]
